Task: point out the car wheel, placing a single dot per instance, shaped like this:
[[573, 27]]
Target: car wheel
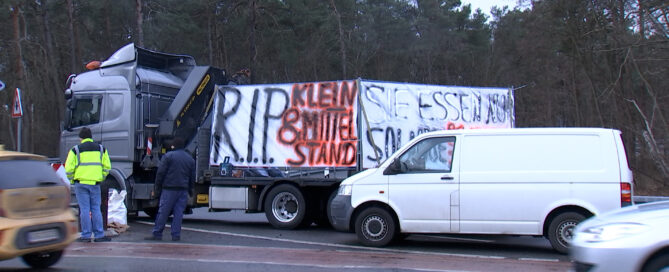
[[561, 230], [375, 227], [657, 263], [41, 260], [285, 207]]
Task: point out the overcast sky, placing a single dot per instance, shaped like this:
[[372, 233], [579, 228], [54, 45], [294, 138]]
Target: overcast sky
[[486, 5]]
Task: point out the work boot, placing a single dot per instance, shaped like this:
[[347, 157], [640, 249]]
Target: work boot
[[153, 238], [102, 239], [83, 240]]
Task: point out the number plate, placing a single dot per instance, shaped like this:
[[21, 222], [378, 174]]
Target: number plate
[[43, 235]]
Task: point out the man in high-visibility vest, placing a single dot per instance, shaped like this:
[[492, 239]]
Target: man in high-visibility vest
[[87, 165]]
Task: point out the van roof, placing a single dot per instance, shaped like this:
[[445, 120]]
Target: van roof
[[516, 131]]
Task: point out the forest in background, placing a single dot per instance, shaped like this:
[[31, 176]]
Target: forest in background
[[591, 63]]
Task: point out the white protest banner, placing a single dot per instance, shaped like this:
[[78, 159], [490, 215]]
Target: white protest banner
[[286, 125], [320, 124], [398, 112]]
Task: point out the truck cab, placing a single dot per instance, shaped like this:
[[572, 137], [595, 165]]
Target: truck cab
[[123, 100]]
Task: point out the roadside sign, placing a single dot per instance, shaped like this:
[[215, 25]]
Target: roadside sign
[[2, 85], [17, 109]]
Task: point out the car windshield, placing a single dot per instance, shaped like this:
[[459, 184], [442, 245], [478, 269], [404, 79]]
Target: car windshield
[[26, 173]]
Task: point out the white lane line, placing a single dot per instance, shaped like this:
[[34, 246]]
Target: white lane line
[[456, 238], [334, 245], [258, 262], [539, 259]]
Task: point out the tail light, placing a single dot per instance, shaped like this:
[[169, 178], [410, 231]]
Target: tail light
[[625, 194]]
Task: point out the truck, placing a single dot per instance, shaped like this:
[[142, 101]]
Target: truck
[[281, 149]]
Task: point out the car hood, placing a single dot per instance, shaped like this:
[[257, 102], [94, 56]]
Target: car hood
[[643, 213], [359, 176]]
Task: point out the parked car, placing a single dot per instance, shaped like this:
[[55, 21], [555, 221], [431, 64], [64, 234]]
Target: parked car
[[634, 238], [36, 222], [523, 181]]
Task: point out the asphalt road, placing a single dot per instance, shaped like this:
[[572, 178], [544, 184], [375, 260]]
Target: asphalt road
[[233, 241]]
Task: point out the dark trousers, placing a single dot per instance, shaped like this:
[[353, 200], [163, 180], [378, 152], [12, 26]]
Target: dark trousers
[[173, 201], [104, 203]]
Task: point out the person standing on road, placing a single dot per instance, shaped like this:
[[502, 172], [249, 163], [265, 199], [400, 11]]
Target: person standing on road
[[88, 165], [175, 180]]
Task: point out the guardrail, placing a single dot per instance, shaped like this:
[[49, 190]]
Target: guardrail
[[646, 199]]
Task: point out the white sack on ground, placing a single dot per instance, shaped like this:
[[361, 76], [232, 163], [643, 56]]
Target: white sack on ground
[[116, 211]]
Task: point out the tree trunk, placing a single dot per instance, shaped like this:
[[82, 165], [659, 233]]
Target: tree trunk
[[108, 26], [19, 70], [342, 44], [51, 64], [140, 22], [71, 36], [252, 39]]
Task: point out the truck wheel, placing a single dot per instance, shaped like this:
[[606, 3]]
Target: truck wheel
[[561, 230], [328, 212], [657, 263], [42, 260], [285, 207], [375, 227], [151, 212]]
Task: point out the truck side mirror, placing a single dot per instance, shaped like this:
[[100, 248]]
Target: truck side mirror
[[67, 93], [67, 122], [71, 103]]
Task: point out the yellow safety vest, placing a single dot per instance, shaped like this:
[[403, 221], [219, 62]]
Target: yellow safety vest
[[87, 163]]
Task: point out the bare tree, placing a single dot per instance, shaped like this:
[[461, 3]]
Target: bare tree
[[140, 22], [342, 44]]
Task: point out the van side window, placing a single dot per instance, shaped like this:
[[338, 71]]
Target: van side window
[[430, 155]]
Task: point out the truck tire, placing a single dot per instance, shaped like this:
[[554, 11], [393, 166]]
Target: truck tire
[[285, 207], [151, 212], [41, 260], [375, 227], [561, 230], [328, 212]]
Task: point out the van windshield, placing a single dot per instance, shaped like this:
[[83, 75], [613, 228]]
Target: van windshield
[[430, 155]]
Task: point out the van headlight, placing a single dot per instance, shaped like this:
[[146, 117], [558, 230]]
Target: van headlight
[[345, 189], [612, 231]]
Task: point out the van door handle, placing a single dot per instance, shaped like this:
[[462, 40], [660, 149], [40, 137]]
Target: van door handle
[[447, 177]]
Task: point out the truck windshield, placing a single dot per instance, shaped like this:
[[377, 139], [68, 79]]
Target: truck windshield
[[85, 111]]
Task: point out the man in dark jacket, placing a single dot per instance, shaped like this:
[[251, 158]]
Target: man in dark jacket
[[174, 182]]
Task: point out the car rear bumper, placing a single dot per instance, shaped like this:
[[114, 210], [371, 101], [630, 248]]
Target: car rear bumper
[[23, 236]]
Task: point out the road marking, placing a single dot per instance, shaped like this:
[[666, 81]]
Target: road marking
[[333, 245], [457, 238], [260, 262], [539, 259]]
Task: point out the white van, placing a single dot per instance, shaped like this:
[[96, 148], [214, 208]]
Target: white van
[[522, 181]]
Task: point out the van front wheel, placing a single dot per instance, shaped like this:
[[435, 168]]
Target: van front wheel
[[375, 227], [561, 230]]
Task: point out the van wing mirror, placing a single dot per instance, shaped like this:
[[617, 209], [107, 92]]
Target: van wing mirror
[[394, 168]]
